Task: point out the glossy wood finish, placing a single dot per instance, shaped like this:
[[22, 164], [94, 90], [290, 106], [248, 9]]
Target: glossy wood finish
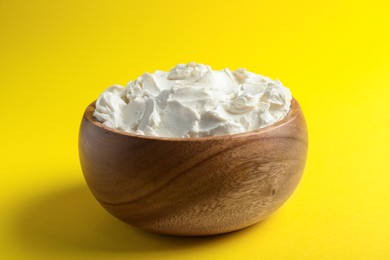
[[193, 186]]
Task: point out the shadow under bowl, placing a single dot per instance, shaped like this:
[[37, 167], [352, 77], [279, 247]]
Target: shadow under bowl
[[193, 186]]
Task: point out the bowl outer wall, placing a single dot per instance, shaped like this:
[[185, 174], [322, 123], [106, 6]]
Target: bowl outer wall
[[193, 186]]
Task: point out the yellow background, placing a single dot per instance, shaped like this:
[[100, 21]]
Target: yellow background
[[57, 56]]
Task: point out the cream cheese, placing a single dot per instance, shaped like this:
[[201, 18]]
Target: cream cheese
[[192, 100]]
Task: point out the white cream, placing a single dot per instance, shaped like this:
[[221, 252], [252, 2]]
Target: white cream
[[192, 100]]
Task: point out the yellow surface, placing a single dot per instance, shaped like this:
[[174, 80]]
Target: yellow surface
[[57, 56]]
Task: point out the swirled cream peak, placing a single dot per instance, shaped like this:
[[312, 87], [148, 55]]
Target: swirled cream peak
[[192, 100]]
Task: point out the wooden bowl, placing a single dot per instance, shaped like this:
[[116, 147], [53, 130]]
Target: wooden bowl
[[193, 186]]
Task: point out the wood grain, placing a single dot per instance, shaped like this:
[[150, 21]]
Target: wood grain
[[193, 186]]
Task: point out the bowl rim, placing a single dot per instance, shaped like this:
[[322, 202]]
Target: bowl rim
[[292, 114]]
